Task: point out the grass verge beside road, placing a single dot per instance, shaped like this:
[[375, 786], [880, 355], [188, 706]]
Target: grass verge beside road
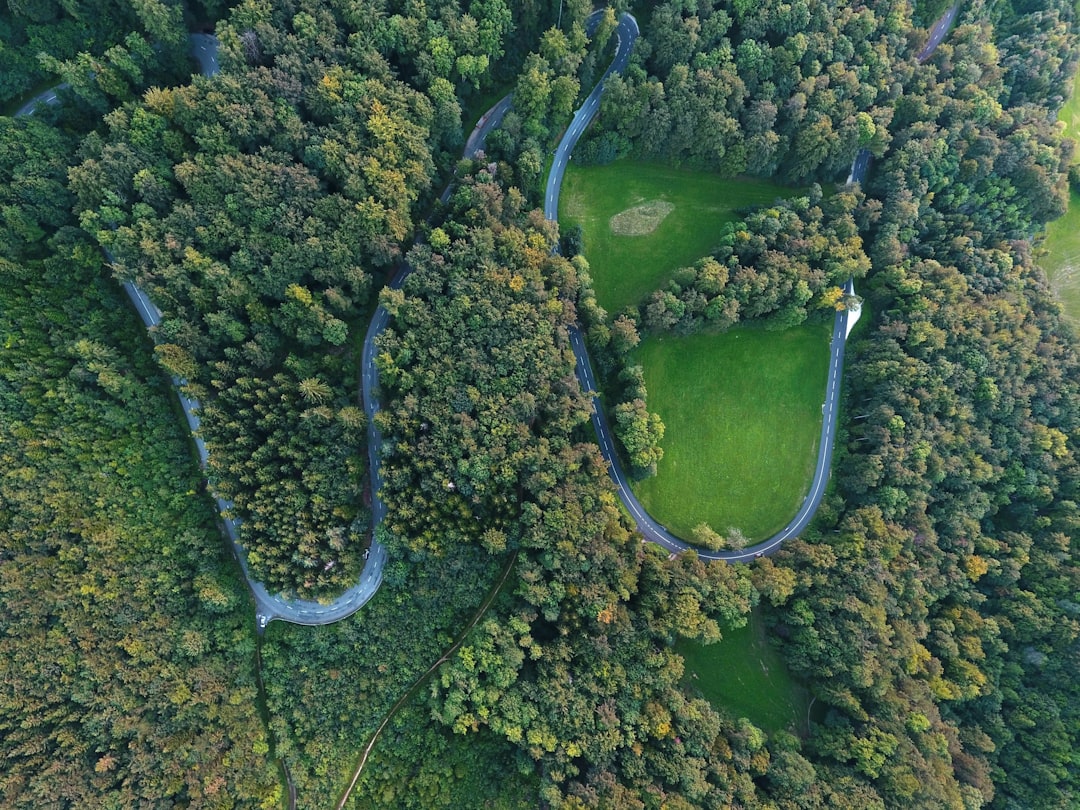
[[742, 411], [626, 268], [746, 677]]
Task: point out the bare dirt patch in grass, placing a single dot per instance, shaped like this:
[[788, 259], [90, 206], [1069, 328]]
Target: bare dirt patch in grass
[[641, 219]]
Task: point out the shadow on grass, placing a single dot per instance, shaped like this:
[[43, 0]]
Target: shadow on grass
[[744, 676]]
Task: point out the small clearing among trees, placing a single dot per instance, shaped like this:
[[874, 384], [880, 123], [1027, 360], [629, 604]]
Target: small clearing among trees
[[641, 219]]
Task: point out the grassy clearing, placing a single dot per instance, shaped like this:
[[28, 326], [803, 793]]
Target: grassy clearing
[[743, 416], [1062, 259], [626, 268], [745, 676]]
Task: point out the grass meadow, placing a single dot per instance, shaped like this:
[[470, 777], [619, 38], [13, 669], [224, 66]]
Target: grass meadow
[[1062, 259], [628, 266], [745, 676], [742, 411]]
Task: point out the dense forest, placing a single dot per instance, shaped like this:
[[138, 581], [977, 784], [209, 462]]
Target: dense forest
[[931, 610], [126, 636]]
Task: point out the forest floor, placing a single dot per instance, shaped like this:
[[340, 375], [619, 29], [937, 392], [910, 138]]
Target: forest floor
[[742, 411], [1062, 259], [626, 268], [745, 676]]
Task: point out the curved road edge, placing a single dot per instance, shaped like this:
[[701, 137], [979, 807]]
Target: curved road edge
[[369, 370], [627, 32], [268, 607]]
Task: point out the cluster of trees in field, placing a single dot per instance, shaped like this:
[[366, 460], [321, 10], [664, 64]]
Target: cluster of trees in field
[[125, 632], [778, 265], [611, 345]]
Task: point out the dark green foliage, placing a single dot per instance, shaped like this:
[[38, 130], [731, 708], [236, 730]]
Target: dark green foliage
[[102, 47], [468, 442], [778, 265], [787, 91], [352, 672], [933, 615], [127, 639], [421, 766], [240, 207], [939, 655], [34, 202]]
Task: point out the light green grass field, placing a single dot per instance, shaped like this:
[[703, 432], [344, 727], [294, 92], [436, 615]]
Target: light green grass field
[[1062, 260], [744, 675], [742, 411], [627, 268]]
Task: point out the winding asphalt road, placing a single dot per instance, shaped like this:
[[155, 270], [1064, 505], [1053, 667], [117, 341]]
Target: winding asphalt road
[[45, 97], [938, 32], [268, 606], [627, 33]]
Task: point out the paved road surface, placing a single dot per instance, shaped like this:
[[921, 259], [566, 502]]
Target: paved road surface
[[488, 121], [45, 97], [627, 34], [859, 166], [938, 32], [204, 47], [653, 531]]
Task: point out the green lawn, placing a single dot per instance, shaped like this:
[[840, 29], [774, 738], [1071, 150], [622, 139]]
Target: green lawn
[[745, 676], [1062, 259], [743, 416], [627, 268], [1062, 262]]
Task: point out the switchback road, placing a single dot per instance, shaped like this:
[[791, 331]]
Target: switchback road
[[627, 33], [268, 606]]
